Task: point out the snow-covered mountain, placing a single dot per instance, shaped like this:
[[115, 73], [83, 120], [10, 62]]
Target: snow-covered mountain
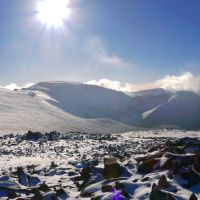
[[90, 101], [69, 106], [151, 92], [182, 110], [148, 102], [24, 110]]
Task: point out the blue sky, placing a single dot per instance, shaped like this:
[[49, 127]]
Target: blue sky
[[135, 41]]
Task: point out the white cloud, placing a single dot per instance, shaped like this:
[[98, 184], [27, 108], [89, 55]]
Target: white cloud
[[113, 60], [186, 81], [114, 85], [13, 86], [98, 52]]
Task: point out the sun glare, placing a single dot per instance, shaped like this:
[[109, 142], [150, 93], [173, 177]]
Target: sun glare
[[53, 13]]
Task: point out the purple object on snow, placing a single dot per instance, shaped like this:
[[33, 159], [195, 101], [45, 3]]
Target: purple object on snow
[[116, 195]]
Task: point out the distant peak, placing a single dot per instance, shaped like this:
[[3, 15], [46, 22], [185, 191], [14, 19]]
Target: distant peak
[[47, 84], [154, 91]]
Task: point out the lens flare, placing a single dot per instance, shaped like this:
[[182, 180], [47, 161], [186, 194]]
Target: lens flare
[[116, 195], [53, 13]]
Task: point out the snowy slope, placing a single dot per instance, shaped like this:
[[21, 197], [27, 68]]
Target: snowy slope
[[66, 106], [148, 102], [21, 111], [89, 101], [150, 92], [182, 109]]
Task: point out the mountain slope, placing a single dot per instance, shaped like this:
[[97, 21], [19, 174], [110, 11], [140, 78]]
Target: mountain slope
[[21, 111], [150, 92], [65, 106], [89, 101], [182, 109], [148, 102]]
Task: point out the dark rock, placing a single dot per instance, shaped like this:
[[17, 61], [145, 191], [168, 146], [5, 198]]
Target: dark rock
[[50, 195], [197, 162], [107, 188], [147, 166], [175, 162], [193, 197], [62, 194], [54, 136], [23, 179], [85, 172], [12, 195], [178, 149], [144, 179], [87, 178], [124, 188], [26, 179], [163, 183], [192, 176], [71, 173], [37, 195], [176, 167], [33, 136], [111, 168], [53, 165], [43, 187], [125, 195], [157, 194]]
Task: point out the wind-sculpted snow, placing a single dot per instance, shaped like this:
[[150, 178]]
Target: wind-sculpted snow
[[155, 165]]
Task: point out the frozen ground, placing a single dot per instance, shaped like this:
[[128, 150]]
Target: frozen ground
[[140, 165]]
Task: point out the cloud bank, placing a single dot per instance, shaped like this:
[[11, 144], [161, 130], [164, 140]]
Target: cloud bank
[[114, 85], [14, 86], [187, 81]]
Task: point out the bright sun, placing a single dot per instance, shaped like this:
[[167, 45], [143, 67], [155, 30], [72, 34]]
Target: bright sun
[[53, 13]]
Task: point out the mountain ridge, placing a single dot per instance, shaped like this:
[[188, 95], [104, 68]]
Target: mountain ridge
[[75, 106]]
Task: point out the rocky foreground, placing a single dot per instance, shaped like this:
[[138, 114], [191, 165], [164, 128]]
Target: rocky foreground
[[141, 166]]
